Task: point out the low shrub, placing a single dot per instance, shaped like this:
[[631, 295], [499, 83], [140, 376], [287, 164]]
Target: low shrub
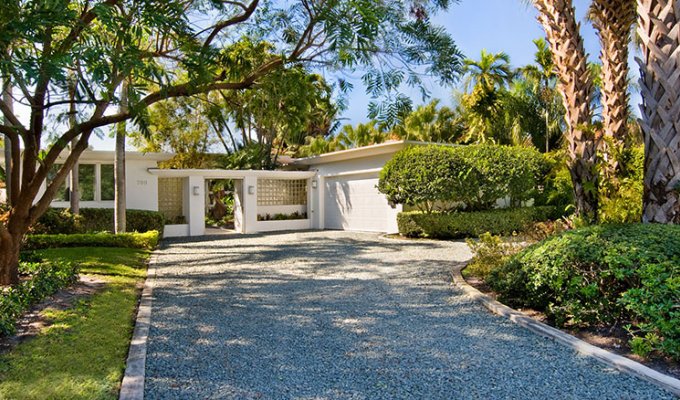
[[624, 274], [101, 220], [58, 220], [147, 240], [458, 225], [282, 217], [45, 279], [90, 220], [491, 252]]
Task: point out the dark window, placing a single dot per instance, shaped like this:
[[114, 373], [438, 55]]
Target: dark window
[[86, 182], [108, 191]]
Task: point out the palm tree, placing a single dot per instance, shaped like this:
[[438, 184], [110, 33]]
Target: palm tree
[[613, 21], [541, 81], [575, 82], [490, 72], [659, 41], [485, 85]]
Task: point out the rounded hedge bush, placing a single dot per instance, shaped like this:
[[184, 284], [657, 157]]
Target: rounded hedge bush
[[475, 176], [625, 274]]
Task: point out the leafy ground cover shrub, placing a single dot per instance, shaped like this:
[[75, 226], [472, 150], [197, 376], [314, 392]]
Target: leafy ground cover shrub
[[90, 220], [475, 176], [81, 354], [491, 252], [605, 274], [458, 225], [44, 279], [148, 240], [282, 217]]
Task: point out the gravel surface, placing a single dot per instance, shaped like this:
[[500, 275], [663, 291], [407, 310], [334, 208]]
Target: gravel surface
[[337, 315]]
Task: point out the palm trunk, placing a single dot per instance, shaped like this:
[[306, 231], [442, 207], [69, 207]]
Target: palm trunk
[[575, 82], [660, 89], [119, 167], [613, 21]]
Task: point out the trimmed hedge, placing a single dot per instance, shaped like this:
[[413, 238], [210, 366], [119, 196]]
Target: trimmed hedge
[[625, 274], [475, 176], [458, 225], [46, 279], [148, 240], [90, 220]]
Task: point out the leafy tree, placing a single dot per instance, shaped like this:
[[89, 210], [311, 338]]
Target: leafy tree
[[180, 48]]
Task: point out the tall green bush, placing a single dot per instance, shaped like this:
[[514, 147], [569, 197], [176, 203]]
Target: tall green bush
[[474, 176]]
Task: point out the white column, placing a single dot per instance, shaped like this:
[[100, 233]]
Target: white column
[[249, 204], [196, 212]]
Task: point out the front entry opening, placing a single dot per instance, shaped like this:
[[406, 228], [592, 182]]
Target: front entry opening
[[223, 206]]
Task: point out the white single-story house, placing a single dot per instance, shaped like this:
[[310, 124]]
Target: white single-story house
[[331, 191]]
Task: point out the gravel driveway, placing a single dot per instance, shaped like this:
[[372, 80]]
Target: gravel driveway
[[336, 315]]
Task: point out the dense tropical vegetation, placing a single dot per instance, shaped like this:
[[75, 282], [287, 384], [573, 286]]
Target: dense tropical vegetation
[[85, 59]]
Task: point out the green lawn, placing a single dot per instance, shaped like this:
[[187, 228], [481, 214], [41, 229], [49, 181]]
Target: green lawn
[[81, 355]]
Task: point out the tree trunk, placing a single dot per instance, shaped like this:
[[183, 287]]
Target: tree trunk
[[576, 85], [613, 21], [74, 188], [7, 97], [119, 167], [9, 257], [660, 89]]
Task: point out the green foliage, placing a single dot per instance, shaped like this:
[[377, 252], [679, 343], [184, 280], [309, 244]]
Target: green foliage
[[423, 175], [90, 220], [56, 220], [148, 240], [627, 274], [282, 217], [102, 219], [44, 280], [558, 189], [621, 195], [458, 225], [491, 252], [81, 353], [475, 176]]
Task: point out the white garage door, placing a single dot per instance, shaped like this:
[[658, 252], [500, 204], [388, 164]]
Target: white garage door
[[355, 204]]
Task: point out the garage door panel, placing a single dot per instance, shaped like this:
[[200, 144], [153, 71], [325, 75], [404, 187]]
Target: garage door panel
[[356, 204]]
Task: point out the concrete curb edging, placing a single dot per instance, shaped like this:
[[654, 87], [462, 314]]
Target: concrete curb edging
[[613, 360], [132, 387]]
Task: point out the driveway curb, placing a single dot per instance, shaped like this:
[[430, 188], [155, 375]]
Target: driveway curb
[[132, 387], [613, 360]]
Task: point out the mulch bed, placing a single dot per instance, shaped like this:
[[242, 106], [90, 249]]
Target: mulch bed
[[33, 321], [611, 338]]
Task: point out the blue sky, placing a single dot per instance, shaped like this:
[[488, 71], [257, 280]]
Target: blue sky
[[494, 25]]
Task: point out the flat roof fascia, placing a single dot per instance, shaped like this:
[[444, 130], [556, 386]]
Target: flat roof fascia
[[230, 173], [360, 152]]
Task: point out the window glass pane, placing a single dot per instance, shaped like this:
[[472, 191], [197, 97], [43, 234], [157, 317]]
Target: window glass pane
[[62, 193], [108, 192], [86, 182]]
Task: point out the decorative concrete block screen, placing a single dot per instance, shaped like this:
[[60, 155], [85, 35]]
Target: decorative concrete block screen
[[281, 192], [171, 198]]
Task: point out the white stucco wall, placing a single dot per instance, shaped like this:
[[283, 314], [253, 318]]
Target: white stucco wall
[[364, 168]]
